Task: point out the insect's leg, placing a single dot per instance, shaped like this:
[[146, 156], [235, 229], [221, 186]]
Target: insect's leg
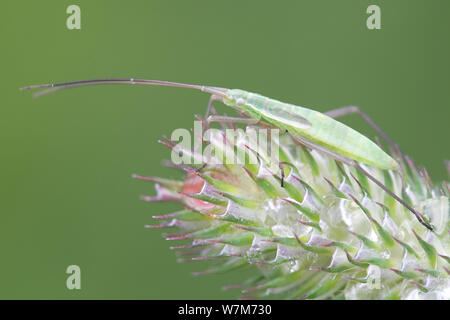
[[223, 125], [353, 163], [212, 98], [339, 112], [280, 165], [247, 121], [201, 167], [418, 215]]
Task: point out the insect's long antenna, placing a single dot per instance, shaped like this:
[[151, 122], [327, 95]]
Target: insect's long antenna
[[52, 87]]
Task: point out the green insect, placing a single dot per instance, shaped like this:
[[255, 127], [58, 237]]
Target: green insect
[[313, 129]]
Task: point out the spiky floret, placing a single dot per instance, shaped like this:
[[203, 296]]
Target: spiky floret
[[317, 229]]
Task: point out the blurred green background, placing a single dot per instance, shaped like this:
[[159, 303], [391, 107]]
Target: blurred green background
[[67, 196]]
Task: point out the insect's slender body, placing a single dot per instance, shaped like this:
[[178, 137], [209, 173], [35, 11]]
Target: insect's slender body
[[317, 128], [309, 127]]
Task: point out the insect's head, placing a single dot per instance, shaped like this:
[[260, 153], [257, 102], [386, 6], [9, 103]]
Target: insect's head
[[236, 98]]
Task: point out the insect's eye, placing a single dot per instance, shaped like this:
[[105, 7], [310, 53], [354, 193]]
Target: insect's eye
[[240, 102]]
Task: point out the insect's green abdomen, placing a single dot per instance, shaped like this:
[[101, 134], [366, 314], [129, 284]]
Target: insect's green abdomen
[[346, 141], [320, 129]]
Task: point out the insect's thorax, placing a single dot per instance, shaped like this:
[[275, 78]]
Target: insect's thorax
[[273, 111]]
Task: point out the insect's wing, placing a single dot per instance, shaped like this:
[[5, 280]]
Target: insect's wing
[[289, 116]]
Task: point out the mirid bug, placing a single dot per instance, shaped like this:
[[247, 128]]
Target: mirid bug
[[319, 131]]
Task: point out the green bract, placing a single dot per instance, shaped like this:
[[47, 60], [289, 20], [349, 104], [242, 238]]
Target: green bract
[[327, 233]]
